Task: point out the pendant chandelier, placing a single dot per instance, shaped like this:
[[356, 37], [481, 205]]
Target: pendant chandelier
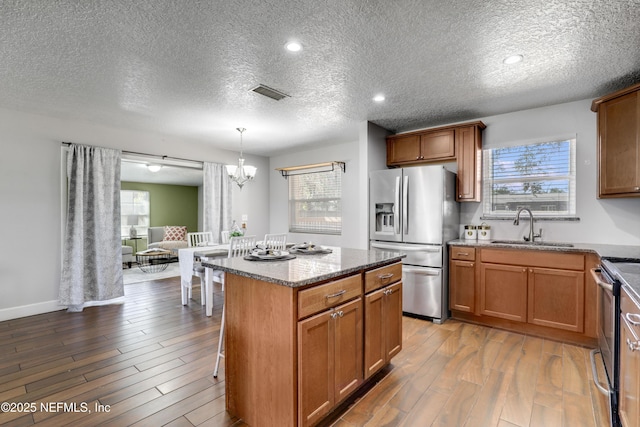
[[240, 174]]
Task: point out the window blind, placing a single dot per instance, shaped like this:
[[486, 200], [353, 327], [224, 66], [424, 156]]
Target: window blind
[[540, 177], [315, 204]]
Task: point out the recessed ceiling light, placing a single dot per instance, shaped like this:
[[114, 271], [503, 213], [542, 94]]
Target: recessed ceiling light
[[154, 168], [378, 98], [293, 46], [513, 59]]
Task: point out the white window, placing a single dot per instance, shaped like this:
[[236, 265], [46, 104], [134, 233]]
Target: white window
[[315, 204], [134, 211], [540, 177]]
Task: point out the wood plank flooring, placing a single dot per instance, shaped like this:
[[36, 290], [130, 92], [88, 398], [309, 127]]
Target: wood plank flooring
[[149, 362]]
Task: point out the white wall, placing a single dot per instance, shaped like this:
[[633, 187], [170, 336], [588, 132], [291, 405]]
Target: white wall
[[605, 221], [351, 190], [30, 193]]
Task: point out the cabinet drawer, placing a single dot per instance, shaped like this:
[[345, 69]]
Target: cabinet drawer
[[318, 298], [630, 310], [383, 276], [463, 253]]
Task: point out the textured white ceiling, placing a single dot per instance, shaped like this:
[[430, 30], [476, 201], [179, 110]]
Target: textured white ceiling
[[185, 68]]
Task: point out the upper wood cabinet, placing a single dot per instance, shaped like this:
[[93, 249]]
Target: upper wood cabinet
[[416, 148], [619, 143], [462, 143]]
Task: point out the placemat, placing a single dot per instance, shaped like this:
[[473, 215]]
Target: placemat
[[255, 258]]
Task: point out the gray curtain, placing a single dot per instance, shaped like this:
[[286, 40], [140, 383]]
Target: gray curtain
[[216, 199], [92, 254]]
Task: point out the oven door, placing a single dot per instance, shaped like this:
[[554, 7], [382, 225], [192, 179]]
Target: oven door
[[608, 306]]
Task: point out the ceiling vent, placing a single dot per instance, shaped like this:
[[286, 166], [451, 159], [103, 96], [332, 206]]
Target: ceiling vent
[[269, 93]]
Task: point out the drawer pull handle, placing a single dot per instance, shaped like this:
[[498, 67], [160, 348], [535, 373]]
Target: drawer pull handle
[[633, 346], [463, 253], [634, 319], [337, 294], [384, 277]]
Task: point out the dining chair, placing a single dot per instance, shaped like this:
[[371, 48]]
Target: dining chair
[[200, 238], [224, 236], [238, 246], [275, 241]]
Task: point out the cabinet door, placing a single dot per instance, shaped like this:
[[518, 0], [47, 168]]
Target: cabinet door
[[316, 349], [437, 145], [619, 146], [392, 314], [348, 348], [629, 377], [374, 340], [503, 291], [556, 298], [469, 156], [462, 286], [404, 149]]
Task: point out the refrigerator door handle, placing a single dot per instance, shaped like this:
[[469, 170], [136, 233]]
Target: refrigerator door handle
[[405, 205], [396, 208], [406, 248], [424, 271]]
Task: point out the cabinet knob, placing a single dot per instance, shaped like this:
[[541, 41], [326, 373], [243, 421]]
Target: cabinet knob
[[637, 188], [334, 315]]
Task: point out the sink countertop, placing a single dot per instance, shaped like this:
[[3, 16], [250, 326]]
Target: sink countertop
[[307, 269], [616, 252]]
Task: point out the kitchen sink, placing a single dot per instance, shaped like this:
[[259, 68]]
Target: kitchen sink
[[526, 243]]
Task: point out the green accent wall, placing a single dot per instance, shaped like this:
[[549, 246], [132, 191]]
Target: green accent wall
[[169, 205]]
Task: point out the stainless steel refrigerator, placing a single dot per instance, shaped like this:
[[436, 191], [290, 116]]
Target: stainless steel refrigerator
[[414, 210]]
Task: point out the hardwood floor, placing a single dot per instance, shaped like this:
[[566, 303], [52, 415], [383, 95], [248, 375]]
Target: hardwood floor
[[149, 362]]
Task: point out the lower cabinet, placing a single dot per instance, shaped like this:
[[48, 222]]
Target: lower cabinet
[[329, 359], [531, 288], [629, 361], [383, 327], [503, 291]]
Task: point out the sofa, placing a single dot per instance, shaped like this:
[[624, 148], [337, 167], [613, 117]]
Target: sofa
[[168, 237]]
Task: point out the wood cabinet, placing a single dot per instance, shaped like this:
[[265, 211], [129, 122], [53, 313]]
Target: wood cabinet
[[619, 143], [425, 146], [629, 402], [383, 333], [294, 354], [383, 317], [462, 143], [469, 157], [462, 279], [503, 291], [531, 291], [329, 359], [556, 298]]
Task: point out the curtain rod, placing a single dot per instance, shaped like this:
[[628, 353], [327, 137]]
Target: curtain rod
[[162, 157]]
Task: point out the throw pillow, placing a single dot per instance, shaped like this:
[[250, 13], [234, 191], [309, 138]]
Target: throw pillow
[[174, 232]]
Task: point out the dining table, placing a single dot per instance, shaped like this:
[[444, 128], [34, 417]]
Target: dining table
[[187, 258]]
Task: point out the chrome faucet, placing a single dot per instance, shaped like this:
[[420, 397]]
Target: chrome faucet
[[532, 235]]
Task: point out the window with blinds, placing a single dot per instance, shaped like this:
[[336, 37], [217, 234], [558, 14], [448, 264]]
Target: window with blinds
[[315, 204], [540, 177], [134, 211]]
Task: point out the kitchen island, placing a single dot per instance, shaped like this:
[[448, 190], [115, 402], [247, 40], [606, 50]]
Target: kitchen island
[[304, 334]]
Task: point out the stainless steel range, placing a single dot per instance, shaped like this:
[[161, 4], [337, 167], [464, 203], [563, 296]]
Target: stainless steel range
[[610, 280]]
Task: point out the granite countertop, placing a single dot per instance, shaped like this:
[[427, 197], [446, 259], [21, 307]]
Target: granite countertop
[[307, 269], [610, 252]]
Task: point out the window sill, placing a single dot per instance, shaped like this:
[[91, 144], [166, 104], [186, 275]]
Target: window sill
[[526, 217]]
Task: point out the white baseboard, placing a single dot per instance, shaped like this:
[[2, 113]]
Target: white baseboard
[[30, 310]]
